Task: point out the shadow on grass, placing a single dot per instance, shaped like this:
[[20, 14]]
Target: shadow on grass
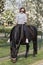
[[4, 45], [23, 55]]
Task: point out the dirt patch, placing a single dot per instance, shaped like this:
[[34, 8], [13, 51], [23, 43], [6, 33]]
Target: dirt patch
[[38, 63]]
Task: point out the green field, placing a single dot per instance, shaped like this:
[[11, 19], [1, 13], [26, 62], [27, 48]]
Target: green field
[[5, 51], [5, 48], [24, 61]]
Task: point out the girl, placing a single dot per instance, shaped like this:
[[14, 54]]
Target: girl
[[21, 19]]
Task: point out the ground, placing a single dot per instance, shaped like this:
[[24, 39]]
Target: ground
[[23, 61], [38, 63]]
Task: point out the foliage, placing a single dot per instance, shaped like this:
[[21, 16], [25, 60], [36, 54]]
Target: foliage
[[34, 10], [8, 16], [4, 29], [1, 6]]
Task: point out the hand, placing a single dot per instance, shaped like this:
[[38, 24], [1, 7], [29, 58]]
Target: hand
[[25, 23]]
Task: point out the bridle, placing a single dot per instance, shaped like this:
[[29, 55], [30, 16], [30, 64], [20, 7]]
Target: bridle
[[21, 36]]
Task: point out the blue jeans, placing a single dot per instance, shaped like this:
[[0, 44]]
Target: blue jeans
[[23, 28]]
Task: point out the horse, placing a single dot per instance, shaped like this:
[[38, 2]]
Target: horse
[[15, 41]]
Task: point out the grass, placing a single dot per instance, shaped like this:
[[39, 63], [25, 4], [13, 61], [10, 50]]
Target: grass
[[3, 42], [24, 61], [4, 51], [5, 48]]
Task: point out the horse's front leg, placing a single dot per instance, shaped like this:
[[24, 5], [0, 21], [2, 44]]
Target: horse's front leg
[[17, 49], [27, 49]]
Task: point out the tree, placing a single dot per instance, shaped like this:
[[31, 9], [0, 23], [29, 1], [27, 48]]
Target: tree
[[1, 6], [8, 16], [40, 10]]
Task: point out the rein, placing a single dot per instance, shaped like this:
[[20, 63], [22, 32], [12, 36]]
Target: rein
[[20, 36]]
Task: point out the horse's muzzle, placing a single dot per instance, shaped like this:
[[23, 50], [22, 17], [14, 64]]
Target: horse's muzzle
[[13, 60]]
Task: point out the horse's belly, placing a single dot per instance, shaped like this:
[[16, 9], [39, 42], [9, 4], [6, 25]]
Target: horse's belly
[[23, 43]]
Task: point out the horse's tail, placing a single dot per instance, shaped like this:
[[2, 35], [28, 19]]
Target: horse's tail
[[35, 31]]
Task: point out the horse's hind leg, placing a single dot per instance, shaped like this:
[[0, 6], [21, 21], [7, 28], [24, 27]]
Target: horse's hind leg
[[27, 49], [35, 47]]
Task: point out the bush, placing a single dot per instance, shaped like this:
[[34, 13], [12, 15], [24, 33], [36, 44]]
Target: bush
[[5, 29], [39, 32]]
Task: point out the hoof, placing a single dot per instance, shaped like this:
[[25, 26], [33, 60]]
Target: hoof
[[13, 60], [25, 56]]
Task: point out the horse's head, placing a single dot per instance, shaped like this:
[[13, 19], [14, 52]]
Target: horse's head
[[13, 51]]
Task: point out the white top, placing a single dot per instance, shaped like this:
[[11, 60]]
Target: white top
[[21, 18]]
